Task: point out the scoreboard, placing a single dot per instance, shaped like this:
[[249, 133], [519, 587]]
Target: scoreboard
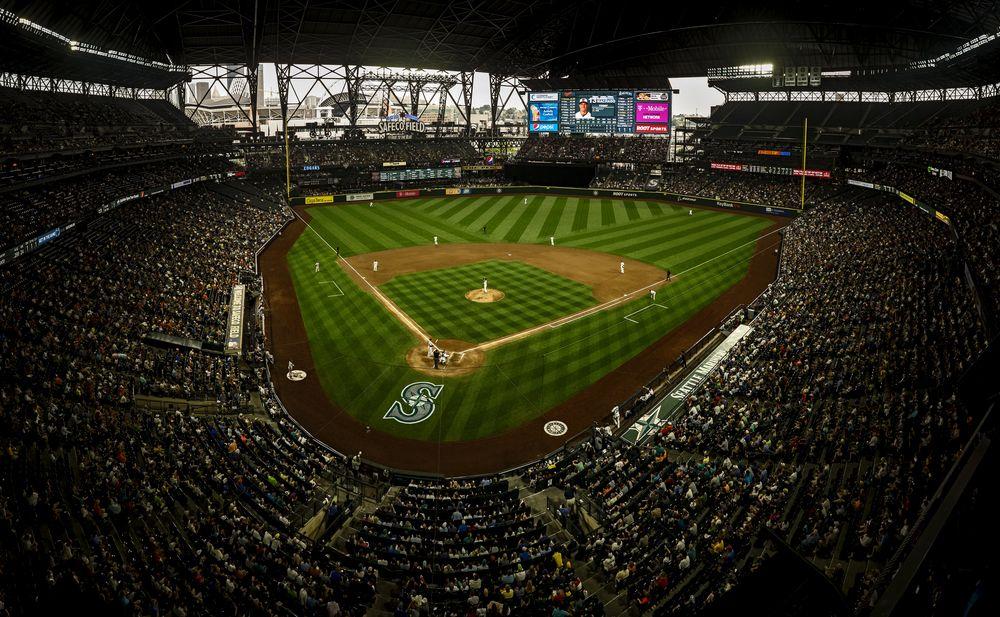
[[613, 112], [403, 175]]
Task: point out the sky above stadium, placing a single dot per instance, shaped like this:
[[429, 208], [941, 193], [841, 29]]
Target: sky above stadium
[[695, 97]]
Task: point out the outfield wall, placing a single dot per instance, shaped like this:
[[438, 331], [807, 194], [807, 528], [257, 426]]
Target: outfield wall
[[548, 190]]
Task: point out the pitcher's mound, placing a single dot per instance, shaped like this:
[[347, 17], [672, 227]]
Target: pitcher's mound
[[490, 295], [460, 362]]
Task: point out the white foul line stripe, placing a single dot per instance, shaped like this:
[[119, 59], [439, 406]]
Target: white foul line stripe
[[629, 316], [403, 317]]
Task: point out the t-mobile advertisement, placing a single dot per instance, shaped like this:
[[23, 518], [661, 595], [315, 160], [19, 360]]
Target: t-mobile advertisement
[[658, 113]]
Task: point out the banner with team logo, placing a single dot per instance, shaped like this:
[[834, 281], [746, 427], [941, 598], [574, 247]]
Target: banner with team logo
[[670, 406]]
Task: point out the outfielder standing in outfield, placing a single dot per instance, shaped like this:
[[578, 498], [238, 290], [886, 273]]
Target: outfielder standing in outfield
[[317, 266]]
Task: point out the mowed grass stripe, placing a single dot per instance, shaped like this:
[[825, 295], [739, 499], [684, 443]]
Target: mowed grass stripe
[[637, 236], [533, 231], [631, 211], [481, 211], [581, 215], [514, 232], [552, 220], [338, 231], [380, 229], [565, 225], [695, 249], [456, 206], [430, 228], [499, 219], [488, 213], [664, 221], [648, 245], [607, 213]]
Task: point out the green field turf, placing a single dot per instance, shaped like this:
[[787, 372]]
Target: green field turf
[[359, 348], [532, 296]]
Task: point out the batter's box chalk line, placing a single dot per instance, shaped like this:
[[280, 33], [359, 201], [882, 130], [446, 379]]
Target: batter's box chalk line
[[340, 291], [629, 316]]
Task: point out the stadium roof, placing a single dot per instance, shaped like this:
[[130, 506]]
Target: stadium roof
[[584, 39]]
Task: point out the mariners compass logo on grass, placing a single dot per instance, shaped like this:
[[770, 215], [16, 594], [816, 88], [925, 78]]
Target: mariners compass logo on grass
[[555, 428], [419, 397]]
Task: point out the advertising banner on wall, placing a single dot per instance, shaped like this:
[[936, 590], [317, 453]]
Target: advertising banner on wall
[[319, 199], [234, 330], [360, 197]]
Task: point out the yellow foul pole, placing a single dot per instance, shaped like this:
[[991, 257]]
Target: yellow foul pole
[[288, 161], [805, 139]]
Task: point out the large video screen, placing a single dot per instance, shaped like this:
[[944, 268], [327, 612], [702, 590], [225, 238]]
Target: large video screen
[[621, 112]]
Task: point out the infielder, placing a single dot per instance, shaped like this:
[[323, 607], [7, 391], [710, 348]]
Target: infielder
[[317, 266], [435, 240], [621, 267], [552, 240], [375, 265]]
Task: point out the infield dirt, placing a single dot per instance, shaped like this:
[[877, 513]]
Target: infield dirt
[[599, 271]]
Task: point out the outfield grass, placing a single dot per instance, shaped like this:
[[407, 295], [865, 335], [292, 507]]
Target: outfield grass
[[532, 296], [359, 347]]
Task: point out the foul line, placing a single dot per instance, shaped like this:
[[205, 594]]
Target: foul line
[[340, 291], [754, 241], [423, 336], [395, 310], [629, 316]]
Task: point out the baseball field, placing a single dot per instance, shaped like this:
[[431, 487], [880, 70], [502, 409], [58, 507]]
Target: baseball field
[[569, 281]]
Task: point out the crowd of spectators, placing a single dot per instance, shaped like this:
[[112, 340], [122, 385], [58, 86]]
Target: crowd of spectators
[[75, 314], [365, 154], [36, 208], [581, 149], [34, 121], [976, 134], [974, 210], [464, 546], [831, 423]]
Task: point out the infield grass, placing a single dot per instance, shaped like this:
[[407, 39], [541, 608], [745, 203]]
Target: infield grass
[[532, 296], [359, 347]]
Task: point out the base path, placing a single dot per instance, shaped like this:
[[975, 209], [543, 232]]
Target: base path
[[596, 270], [327, 421]]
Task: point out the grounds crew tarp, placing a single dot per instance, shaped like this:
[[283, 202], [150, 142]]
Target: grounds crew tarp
[[670, 406]]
